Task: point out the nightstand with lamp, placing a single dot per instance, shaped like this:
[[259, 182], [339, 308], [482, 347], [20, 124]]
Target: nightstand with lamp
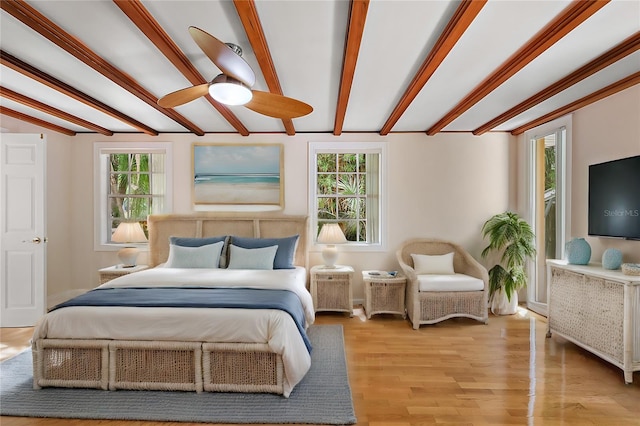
[[126, 232], [331, 284]]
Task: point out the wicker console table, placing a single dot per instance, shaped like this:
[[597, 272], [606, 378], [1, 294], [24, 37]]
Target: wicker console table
[[383, 293], [596, 309]]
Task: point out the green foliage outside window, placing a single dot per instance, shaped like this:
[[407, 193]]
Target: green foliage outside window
[[129, 188], [342, 193], [550, 201]]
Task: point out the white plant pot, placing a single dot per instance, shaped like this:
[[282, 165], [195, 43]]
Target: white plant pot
[[501, 305]]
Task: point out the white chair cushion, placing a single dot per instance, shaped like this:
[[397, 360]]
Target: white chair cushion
[[455, 282], [439, 264]]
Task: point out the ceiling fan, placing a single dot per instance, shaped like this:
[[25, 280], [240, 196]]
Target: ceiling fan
[[233, 86]]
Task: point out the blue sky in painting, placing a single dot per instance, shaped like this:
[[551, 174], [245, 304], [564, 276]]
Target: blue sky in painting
[[236, 159]]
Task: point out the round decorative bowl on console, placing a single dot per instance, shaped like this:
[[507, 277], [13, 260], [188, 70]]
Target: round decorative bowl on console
[[631, 268]]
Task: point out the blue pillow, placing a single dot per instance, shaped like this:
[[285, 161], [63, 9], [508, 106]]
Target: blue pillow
[[195, 242], [256, 258], [199, 242], [286, 248]]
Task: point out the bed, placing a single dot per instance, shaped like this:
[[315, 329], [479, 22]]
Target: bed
[[186, 326]]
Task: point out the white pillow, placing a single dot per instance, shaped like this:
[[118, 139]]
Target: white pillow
[[256, 258], [207, 256], [433, 264]]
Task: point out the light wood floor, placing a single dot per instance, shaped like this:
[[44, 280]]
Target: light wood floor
[[458, 372]]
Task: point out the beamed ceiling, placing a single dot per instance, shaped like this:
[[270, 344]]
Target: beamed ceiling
[[378, 66]]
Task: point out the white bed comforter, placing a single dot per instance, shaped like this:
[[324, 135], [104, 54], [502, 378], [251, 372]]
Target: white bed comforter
[[271, 326]]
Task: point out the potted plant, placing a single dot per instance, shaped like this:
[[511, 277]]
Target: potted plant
[[512, 237]]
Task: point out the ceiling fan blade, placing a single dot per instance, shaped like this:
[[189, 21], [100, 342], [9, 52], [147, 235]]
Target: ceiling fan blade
[[182, 96], [277, 106], [223, 56]]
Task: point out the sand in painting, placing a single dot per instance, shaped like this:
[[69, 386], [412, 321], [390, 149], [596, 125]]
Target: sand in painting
[[237, 193]]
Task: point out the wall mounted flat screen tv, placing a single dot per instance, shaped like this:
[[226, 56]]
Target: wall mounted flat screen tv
[[614, 198]]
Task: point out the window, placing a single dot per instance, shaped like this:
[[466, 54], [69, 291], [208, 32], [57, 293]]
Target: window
[[346, 187], [131, 183]]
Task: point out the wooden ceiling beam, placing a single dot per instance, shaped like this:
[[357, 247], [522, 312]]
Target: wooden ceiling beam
[[253, 28], [146, 23], [461, 20], [611, 89], [29, 16], [627, 47], [25, 69], [357, 17], [32, 103], [33, 120], [572, 16]]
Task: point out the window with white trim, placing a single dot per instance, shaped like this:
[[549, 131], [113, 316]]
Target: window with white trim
[[131, 182], [346, 187]]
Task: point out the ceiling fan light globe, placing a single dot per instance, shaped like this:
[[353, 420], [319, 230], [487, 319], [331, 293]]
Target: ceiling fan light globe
[[229, 91]]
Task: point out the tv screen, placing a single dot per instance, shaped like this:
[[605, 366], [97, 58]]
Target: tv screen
[[614, 198]]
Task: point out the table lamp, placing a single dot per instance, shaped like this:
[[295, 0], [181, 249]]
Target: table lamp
[[128, 232], [330, 234]]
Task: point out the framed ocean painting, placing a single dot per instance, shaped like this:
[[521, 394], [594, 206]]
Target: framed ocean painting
[[234, 174]]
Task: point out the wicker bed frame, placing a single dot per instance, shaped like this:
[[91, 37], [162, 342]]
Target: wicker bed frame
[[163, 365]]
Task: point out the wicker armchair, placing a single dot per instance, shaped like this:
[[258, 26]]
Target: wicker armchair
[[429, 307]]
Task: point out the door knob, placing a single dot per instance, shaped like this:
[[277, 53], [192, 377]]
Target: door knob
[[36, 240]]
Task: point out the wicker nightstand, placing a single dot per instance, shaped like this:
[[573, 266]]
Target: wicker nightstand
[[107, 274], [331, 288], [383, 293]]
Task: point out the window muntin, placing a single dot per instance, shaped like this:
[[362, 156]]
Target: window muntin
[[346, 189]]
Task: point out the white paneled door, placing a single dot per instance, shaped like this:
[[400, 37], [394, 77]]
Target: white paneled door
[[22, 233]]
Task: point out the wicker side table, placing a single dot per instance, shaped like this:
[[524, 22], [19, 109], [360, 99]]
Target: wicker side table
[[331, 288], [111, 272], [383, 293]]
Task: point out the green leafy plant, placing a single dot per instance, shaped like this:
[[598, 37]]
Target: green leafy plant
[[341, 181], [511, 235]]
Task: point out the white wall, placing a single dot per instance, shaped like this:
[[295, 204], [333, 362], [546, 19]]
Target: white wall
[[603, 131], [443, 186]]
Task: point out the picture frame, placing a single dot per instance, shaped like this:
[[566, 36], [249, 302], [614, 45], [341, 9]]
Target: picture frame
[[234, 174]]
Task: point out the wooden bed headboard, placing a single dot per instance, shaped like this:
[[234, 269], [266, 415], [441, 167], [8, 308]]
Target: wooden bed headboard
[[161, 227]]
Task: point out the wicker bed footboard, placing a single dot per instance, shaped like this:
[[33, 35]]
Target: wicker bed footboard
[[241, 367], [71, 363], [157, 365]]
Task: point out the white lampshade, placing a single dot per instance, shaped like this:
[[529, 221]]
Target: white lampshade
[[331, 234], [229, 91], [128, 232]]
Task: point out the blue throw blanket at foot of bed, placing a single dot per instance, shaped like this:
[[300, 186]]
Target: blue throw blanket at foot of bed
[[196, 297]]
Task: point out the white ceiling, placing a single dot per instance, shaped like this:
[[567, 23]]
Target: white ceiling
[[306, 41]]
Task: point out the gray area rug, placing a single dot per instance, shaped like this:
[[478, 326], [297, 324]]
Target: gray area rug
[[322, 397]]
